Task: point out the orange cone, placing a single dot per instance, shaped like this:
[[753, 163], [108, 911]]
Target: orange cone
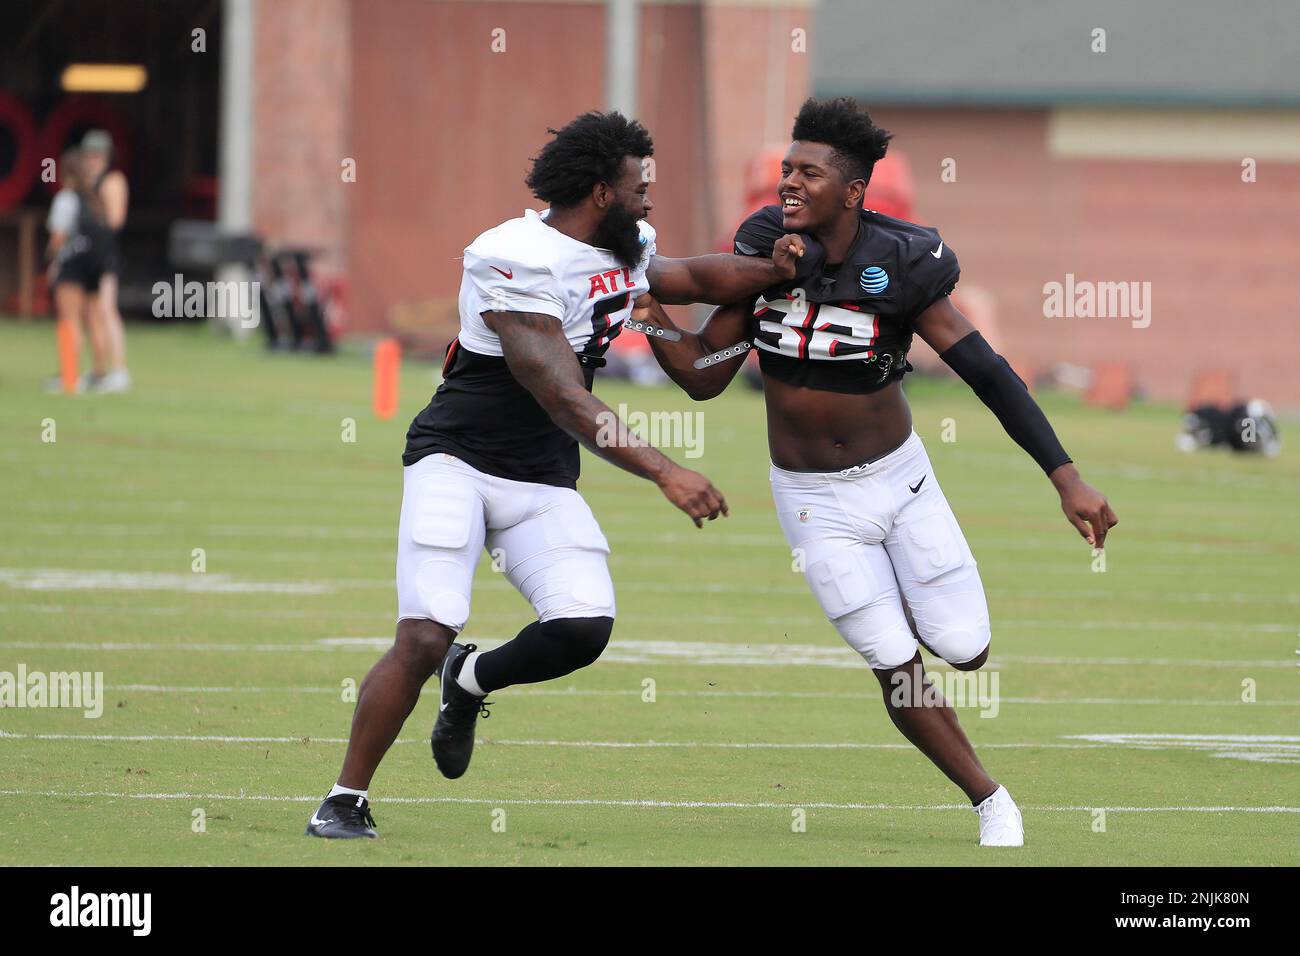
[[69, 343], [388, 363]]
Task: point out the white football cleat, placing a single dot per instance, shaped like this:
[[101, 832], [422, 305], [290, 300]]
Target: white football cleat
[[1000, 822]]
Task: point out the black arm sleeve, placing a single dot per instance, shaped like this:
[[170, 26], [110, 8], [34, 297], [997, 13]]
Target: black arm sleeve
[[1003, 391]]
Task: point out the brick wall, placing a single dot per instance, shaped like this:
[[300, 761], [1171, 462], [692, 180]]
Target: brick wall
[[443, 127], [1220, 254], [302, 110], [756, 81]]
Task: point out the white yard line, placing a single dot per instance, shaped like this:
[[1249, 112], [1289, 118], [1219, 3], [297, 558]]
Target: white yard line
[[1253, 748], [1194, 739], [763, 694], [648, 804], [73, 579], [690, 653], [1129, 661], [811, 618], [715, 653], [63, 579], [182, 647], [1100, 742], [180, 610], [578, 744], [763, 547], [1257, 748]]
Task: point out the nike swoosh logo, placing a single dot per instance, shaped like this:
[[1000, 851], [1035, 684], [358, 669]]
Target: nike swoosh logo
[[511, 273], [442, 706], [917, 487], [317, 821], [938, 252]]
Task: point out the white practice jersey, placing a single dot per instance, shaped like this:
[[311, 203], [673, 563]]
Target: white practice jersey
[[480, 413], [523, 265]]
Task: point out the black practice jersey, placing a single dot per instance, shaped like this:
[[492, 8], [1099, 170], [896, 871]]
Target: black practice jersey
[[480, 413], [847, 327]]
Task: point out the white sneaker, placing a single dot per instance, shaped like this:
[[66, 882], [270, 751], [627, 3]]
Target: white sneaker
[[118, 380], [1000, 823]]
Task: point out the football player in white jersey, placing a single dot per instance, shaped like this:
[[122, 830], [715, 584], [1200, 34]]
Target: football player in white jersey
[[493, 460], [855, 493]]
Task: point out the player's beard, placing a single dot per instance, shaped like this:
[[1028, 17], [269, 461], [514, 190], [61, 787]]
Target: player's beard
[[618, 232]]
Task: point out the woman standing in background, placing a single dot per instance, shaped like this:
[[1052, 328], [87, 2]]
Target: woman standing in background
[[109, 192], [76, 268]]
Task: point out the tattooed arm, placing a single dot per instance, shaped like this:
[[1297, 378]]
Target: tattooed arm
[[542, 361], [722, 277]]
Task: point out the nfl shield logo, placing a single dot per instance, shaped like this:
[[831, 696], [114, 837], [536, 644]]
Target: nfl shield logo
[[803, 514]]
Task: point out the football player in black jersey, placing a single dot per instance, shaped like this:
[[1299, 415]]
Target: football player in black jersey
[[853, 487], [493, 460]]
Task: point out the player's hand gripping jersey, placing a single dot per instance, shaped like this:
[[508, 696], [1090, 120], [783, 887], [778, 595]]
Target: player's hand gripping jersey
[[480, 413], [847, 329]]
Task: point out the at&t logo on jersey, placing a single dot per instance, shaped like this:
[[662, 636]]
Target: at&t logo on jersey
[[874, 280]]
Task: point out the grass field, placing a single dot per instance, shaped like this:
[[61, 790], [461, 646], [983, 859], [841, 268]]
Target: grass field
[[1119, 690]]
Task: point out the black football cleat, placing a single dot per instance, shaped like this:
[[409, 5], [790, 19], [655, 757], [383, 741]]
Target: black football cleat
[[458, 710], [343, 817]]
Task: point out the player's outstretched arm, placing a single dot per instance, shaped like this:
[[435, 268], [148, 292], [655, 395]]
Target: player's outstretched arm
[[541, 359], [960, 345], [723, 329], [723, 277]]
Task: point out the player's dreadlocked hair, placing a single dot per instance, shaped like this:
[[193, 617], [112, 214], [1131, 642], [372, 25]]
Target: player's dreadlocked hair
[[847, 128], [587, 151]]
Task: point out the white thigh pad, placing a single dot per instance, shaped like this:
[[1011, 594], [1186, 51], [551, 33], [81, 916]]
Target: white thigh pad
[[439, 540], [933, 546], [444, 511], [842, 582], [443, 585], [880, 634]]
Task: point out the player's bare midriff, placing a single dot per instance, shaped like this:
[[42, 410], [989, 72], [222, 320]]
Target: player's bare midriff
[[813, 430]]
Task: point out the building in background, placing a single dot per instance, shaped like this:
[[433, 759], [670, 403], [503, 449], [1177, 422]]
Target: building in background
[[385, 134], [450, 99], [1165, 149], [131, 68]]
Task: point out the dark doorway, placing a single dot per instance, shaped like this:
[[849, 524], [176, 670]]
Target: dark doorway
[[165, 135]]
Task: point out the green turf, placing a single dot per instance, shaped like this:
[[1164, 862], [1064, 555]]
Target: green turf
[[228, 449]]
